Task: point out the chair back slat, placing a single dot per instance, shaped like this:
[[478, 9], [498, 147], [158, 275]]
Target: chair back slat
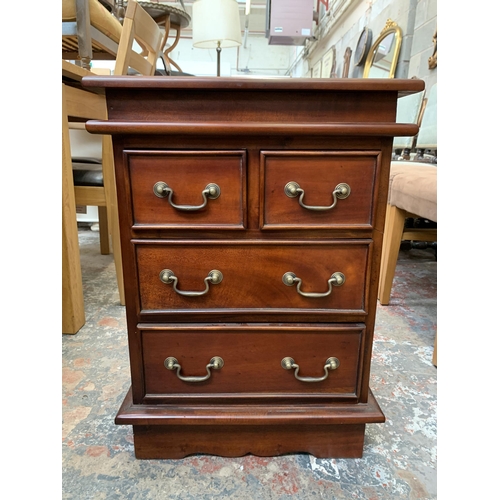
[[427, 135], [408, 111], [140, 42]]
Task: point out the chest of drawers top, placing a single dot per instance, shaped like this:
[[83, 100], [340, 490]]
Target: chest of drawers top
[[227, 106]]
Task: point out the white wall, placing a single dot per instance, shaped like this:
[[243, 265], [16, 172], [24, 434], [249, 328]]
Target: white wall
[[416, 18], [256, 58], [339, 29]]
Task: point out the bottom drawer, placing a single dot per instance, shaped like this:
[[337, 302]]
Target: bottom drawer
[[257, 361]]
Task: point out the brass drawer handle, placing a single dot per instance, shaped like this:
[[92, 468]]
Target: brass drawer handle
[[162, 190], [216, 363], [342, 191], [336, 279], [330, 364], [168, 277]]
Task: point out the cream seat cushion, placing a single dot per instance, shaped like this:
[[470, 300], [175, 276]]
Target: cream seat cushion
[[100, 18], [413, 187]]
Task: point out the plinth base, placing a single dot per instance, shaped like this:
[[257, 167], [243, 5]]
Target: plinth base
[[324, 430]]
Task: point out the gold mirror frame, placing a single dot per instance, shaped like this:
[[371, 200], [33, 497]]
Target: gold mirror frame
[[390, 27]]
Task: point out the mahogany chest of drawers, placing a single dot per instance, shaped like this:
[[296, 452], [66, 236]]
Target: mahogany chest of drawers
[[251, 219]]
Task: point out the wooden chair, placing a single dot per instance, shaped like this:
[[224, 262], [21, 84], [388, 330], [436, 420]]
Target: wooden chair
[[77, 103], [409, 110], [93, 172], [412, 194], [93, 177], [138, 26], [170, 17]]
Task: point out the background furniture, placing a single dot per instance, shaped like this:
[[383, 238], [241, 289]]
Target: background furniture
[[138, 26], [412, 194], [93, 178], [89, 31], [169, 18], [409, 110], [77, 103], [82, 104], [95, 185], [216, 25], [426, 144], [383, 55], [252, 227]]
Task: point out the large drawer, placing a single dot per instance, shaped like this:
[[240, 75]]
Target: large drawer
[[187, 189], [184, 275], [297, 189], [252, 360]]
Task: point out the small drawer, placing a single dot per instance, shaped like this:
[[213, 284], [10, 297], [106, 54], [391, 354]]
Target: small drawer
[[322, 190], [188, 189], [258, 277], [253, 360]]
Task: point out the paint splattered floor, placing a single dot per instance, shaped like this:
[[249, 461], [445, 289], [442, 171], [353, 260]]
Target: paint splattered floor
[[399, 456]]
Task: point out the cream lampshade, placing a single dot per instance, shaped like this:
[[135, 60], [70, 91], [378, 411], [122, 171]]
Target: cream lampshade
[[216, 25]]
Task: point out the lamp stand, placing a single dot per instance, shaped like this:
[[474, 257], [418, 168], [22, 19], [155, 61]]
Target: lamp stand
[[218, 58]]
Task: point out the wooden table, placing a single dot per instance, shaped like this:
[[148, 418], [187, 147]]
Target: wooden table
[[80, 104]]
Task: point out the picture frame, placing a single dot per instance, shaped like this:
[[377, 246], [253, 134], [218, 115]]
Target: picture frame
[[347, 62], [328, 63], [316, 70]]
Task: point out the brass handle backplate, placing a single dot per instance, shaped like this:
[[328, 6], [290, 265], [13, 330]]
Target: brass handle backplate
[[336, 279], [163, 190], [331, 363], [341, 191], [168, 277], [216, 363]]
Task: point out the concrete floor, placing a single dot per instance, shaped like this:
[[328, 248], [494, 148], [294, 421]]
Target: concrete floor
[[399, 456]]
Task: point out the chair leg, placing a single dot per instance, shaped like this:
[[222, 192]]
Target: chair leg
[[385, 251], [103, 230], [73, 308], [394, 226], [435, 353], [108, 171]]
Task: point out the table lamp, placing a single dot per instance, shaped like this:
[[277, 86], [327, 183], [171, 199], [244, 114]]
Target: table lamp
[[216, 24]]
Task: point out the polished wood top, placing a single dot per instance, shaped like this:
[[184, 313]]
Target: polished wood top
[[402, 86]]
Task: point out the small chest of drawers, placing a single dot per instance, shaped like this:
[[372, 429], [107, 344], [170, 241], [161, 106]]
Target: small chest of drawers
[[251, 218]]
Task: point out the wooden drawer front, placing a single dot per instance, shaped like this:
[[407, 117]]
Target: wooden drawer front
[[318, 174], [252, 359], [253, 274], [187, 174]]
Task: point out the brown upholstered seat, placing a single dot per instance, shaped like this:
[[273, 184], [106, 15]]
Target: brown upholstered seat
[[413, 187]]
